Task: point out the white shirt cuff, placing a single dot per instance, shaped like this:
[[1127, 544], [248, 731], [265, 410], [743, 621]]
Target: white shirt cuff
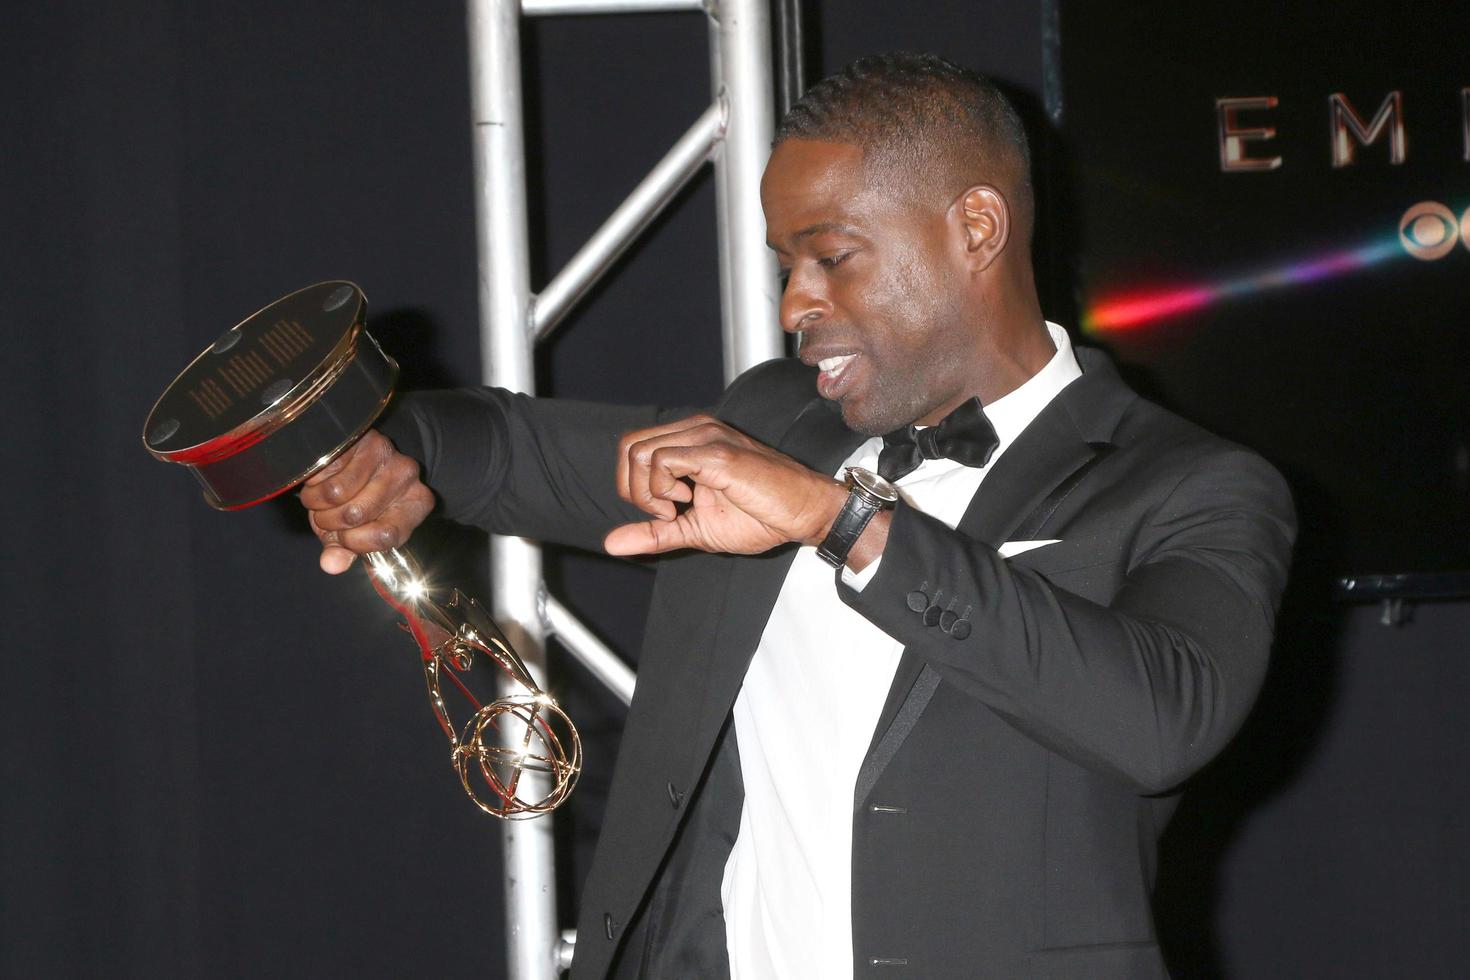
[[860, 580]]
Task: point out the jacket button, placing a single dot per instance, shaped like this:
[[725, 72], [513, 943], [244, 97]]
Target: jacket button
[[932, 609], [918, 600], [675, 797], [609, 927], [956, 626]]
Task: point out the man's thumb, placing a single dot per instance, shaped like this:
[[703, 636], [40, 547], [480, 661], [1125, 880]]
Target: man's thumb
[[646, 538]]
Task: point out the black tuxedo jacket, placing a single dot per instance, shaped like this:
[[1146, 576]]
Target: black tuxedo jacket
[[1006, 817]]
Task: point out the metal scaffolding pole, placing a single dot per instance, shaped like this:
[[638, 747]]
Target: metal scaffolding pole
[[740, 72], [735, 133], [503, 241]]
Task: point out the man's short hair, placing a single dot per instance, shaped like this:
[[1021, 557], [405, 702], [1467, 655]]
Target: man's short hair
[[923, 121]]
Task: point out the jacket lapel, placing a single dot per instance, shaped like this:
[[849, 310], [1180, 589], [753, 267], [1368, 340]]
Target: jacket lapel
[[1058, 446], [818, 438], [1044, 456]]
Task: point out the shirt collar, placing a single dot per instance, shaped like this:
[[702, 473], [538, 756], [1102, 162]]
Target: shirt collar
[[1012, 412], [1009, 414]]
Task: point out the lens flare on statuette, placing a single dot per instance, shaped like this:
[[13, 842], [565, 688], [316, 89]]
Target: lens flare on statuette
[[518, 756]]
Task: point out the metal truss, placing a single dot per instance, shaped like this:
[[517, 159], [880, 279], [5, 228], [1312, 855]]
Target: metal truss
[[734, 133]]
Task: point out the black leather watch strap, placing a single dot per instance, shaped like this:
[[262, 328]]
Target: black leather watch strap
[[862, 503], [846, 529]]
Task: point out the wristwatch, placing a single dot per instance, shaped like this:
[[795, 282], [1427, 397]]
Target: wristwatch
[[868, 493]]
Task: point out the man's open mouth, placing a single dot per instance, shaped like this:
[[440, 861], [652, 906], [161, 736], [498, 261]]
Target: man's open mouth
[[834, 374]]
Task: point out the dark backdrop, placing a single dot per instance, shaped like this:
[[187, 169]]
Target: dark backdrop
[[217, 761], [1291, 283]]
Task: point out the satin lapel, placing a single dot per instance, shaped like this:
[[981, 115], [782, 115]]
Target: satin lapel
[[818, 438], [889, 733], [913, 685], [1046, 454], [1053, 447], [1077, 425]]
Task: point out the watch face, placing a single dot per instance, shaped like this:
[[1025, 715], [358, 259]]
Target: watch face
[[873, 484]]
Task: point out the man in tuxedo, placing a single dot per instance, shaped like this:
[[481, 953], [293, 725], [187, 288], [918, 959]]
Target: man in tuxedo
[[927, 721]]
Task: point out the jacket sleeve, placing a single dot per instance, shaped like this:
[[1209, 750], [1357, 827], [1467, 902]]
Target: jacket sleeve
[[1148, 687], [536, 467], [542, 468]]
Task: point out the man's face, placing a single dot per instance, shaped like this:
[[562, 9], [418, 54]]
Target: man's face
[[875, 285]]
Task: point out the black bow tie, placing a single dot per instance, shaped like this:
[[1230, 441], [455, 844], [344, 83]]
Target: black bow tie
[[965, 436]]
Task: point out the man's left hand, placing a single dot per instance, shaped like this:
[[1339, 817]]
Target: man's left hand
[[743, 497]]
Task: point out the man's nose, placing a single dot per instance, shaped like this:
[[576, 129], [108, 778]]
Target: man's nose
[[803, 303]]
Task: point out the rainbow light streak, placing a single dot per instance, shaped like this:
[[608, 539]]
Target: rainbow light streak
[[1132, 311]]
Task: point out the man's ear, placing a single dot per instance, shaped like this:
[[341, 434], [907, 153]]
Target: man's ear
[[985, 220]]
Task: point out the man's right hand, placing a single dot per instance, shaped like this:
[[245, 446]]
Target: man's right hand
[[368, 499]]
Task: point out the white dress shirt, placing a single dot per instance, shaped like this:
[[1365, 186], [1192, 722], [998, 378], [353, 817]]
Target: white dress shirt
[[805, 716]]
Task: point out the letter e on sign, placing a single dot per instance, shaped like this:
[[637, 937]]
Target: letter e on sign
[[1234, 137]]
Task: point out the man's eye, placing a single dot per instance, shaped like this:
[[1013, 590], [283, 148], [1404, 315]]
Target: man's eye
[[832, 261]]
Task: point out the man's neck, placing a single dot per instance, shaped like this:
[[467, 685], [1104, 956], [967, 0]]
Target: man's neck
[[1023, 351]]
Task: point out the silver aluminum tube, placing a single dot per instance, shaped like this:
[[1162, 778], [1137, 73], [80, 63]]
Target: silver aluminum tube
[[750, 296], [552, 8], [532, 937], [651, 196], [595, 655], [741, 73]]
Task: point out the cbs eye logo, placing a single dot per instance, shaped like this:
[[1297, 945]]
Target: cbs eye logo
[[1429, 231]]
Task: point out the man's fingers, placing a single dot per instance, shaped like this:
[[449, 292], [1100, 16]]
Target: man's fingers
[[639, 449], [344, 477], [334, 467], [335, 560], [671, 468], [368, 499], [647, 538], [391, 528], [395, 477], [652, 433], [678, 491]]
